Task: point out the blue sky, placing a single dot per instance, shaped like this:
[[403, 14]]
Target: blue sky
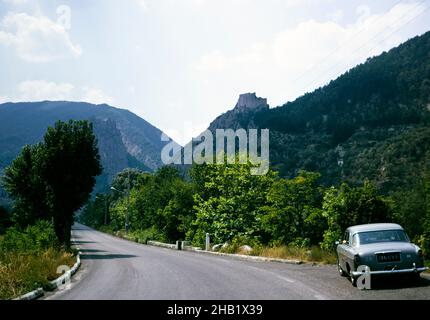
[[181, 63]]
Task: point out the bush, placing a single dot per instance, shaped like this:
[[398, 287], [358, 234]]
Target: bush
[[33, 239], [424, 243], [143, 236], [236, 243], [29, 259]]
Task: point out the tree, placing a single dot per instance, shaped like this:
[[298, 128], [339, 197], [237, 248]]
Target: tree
[[96, 212], [229, 202], [121, 182], [293, 210], [424, 240], [353, 206], [4, 219], [70, 164], [55, 178], [163, 201], [24, 182], [177, 216]]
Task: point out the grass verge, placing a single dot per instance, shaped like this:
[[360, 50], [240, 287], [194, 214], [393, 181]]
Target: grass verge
[[312, 255], [21, 273]]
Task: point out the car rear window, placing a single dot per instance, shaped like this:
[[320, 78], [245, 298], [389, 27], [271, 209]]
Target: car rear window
[[382, 236]]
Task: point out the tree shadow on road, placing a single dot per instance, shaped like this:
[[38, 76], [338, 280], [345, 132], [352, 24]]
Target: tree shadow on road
[[106, 256], [82, 242], [90, 250], [399, 282]]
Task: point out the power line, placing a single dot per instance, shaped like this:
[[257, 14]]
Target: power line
[[341, 46], [385, 38], [331, 67]]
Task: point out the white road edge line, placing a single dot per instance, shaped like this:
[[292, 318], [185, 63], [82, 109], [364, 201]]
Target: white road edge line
[[286, 279]]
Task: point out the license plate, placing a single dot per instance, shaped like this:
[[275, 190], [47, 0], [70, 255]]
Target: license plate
[[388, 257]]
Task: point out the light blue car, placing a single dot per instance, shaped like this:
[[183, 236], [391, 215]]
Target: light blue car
[[384, 248]]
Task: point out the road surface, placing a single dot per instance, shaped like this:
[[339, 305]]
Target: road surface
[[113, 268]]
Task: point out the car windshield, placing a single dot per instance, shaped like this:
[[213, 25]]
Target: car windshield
[[383, 236]]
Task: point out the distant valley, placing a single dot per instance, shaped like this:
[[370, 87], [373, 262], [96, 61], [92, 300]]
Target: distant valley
[[124, 139]]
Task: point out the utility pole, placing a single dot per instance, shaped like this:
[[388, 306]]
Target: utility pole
[[106, 209], [127, 216], [105, 199]]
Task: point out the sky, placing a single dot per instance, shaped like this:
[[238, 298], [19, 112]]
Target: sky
[[180, 63]]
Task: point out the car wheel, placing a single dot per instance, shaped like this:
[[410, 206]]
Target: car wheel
[[353, 279], [340, 270]]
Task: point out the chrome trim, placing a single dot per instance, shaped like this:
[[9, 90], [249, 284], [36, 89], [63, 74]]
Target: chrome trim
[[388, 251], [394, 271]]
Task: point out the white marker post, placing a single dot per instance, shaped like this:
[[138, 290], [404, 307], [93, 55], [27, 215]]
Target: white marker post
[[208, 242]]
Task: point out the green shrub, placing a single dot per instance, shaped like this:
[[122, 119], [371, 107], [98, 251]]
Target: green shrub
[[38, 237], [300, 243], [236, 243], [29, 259], [143, 236], [424, 243]]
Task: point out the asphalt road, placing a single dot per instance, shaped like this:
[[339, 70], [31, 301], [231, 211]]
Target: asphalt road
[[113, 268]]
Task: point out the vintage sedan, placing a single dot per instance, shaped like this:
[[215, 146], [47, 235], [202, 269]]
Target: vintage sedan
[[383, 247]]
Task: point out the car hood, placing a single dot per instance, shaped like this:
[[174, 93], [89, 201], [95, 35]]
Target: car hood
[[387, 246]]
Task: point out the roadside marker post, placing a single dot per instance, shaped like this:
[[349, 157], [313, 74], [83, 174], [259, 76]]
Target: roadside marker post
[[208, 242]]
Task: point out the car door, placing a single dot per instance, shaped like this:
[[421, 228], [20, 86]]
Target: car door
[[349, 251], [342, 250]]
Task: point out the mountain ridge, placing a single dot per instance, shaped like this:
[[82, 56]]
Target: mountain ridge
[[366, 112], [124, 138]]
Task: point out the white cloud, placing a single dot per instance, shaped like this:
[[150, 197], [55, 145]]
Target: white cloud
[[306, 56], [37, 38], [16, 2], [142, 4], [297, 49], [96, 96], [41, 90], [218, 61], [189, 130], [336, 15]]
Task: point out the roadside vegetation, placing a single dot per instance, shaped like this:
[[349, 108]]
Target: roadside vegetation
[[293, 218], [29, 259], [314, 254], [47, 182]]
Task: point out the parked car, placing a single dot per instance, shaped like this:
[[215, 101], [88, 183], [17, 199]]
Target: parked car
[[383, 247]]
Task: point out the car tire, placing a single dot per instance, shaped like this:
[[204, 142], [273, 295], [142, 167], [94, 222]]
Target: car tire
[[340, 270], [353, 279]]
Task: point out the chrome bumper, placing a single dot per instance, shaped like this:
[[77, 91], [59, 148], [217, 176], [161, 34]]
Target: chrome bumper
[[394, 271]]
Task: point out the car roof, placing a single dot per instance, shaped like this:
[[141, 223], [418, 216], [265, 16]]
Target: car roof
[[374, 227]]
